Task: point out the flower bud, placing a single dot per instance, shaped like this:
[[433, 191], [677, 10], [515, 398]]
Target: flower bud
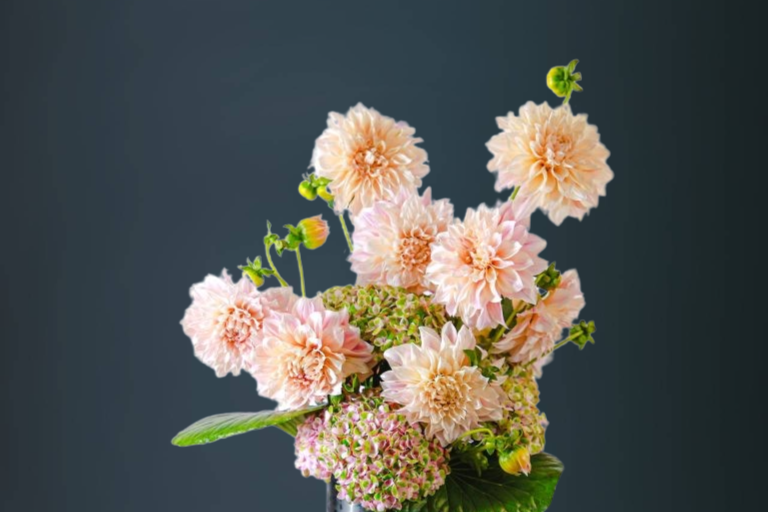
[[517, 461], [253, 275], [562, 80], [307, 190], [556, 81], [323, 192], [314, 231]]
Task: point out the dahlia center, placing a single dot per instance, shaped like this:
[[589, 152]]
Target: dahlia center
[[415, 249], [370, 160], [481, 257], [308, 366], [237, 325], [446, 395]]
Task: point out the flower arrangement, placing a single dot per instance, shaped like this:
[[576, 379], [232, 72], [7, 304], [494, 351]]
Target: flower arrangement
[[416, 388]]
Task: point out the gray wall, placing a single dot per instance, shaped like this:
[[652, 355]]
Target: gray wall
[[144, 145]]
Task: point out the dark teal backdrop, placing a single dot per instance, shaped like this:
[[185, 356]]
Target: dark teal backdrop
[[144, 145]]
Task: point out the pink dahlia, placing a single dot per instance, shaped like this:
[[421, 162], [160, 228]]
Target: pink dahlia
[[368, 157], [477, 262], [393, 239], [537, 329], [436, 385], [555, 157], [225, 320], [306, 354]]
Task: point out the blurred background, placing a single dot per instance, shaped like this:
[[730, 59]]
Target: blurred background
[[144, 144]]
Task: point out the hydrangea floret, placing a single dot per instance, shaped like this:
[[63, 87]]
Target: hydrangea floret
[[417, 387]]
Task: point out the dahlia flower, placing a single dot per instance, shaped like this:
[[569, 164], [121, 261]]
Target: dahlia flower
[[225, 320], [392, 240], [377, 458], [537, 329], [555, 157], [368, 157], [306, 354], [477, 262], [436, 386]]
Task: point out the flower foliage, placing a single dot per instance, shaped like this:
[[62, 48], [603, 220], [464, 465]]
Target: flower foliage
[[427, 368]]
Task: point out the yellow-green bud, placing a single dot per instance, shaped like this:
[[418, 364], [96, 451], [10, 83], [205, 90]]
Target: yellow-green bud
[[561, 80], [556, 81], [323, 192], [307, 191], [517, 461], [253, 275]]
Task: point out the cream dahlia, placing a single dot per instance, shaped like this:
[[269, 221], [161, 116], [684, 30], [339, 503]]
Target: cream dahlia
[[392, 240], [306, 354], [435, 384], [369, 157], [477, 262], [555, 157], [537, 329], [225, 320]]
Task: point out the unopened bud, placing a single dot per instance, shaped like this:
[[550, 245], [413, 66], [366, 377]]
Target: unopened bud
[[314, 231], [561, 80], [307, 191], [516, 461], [325, 194]]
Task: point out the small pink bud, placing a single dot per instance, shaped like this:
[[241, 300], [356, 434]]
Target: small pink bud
[[314, 231]]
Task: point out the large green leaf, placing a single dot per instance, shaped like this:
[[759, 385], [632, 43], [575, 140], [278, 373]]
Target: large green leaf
[[217, 427], [495, 490]]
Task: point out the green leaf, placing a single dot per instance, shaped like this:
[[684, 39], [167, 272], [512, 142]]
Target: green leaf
[[220, 426], [495, 490]]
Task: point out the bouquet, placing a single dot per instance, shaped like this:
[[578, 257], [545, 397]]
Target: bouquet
[[415, 388]]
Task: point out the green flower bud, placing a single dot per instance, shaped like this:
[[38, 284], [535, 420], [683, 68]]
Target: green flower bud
[[516, 461], [325, 194], [314, 231], [561, 80], [307, 191]]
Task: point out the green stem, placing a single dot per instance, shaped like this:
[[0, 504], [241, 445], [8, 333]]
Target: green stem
[[301, 271], [475, 431], [566, 340], [508, 320], [267, 248], [346, 232]]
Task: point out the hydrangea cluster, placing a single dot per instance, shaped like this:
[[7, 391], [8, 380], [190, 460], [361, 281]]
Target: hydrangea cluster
[[433, 357], [523, 421], [386, 316], [378, 459]]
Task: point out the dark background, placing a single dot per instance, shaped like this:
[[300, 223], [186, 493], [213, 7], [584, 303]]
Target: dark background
[[144, 145]]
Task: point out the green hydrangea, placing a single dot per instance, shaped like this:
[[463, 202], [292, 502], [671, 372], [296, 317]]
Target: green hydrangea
[[386, 316], [525, 423]]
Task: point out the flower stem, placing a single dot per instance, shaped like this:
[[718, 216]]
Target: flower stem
[[301, 271], [475, 431], [267, 248], [508, 321], [346, 232], [565, 341]]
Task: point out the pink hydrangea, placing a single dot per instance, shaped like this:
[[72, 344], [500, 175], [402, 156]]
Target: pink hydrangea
[[538, 328], [379, 460], [310, 459], [226, 319], [393, 240], [477, 262], [306, 354]]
